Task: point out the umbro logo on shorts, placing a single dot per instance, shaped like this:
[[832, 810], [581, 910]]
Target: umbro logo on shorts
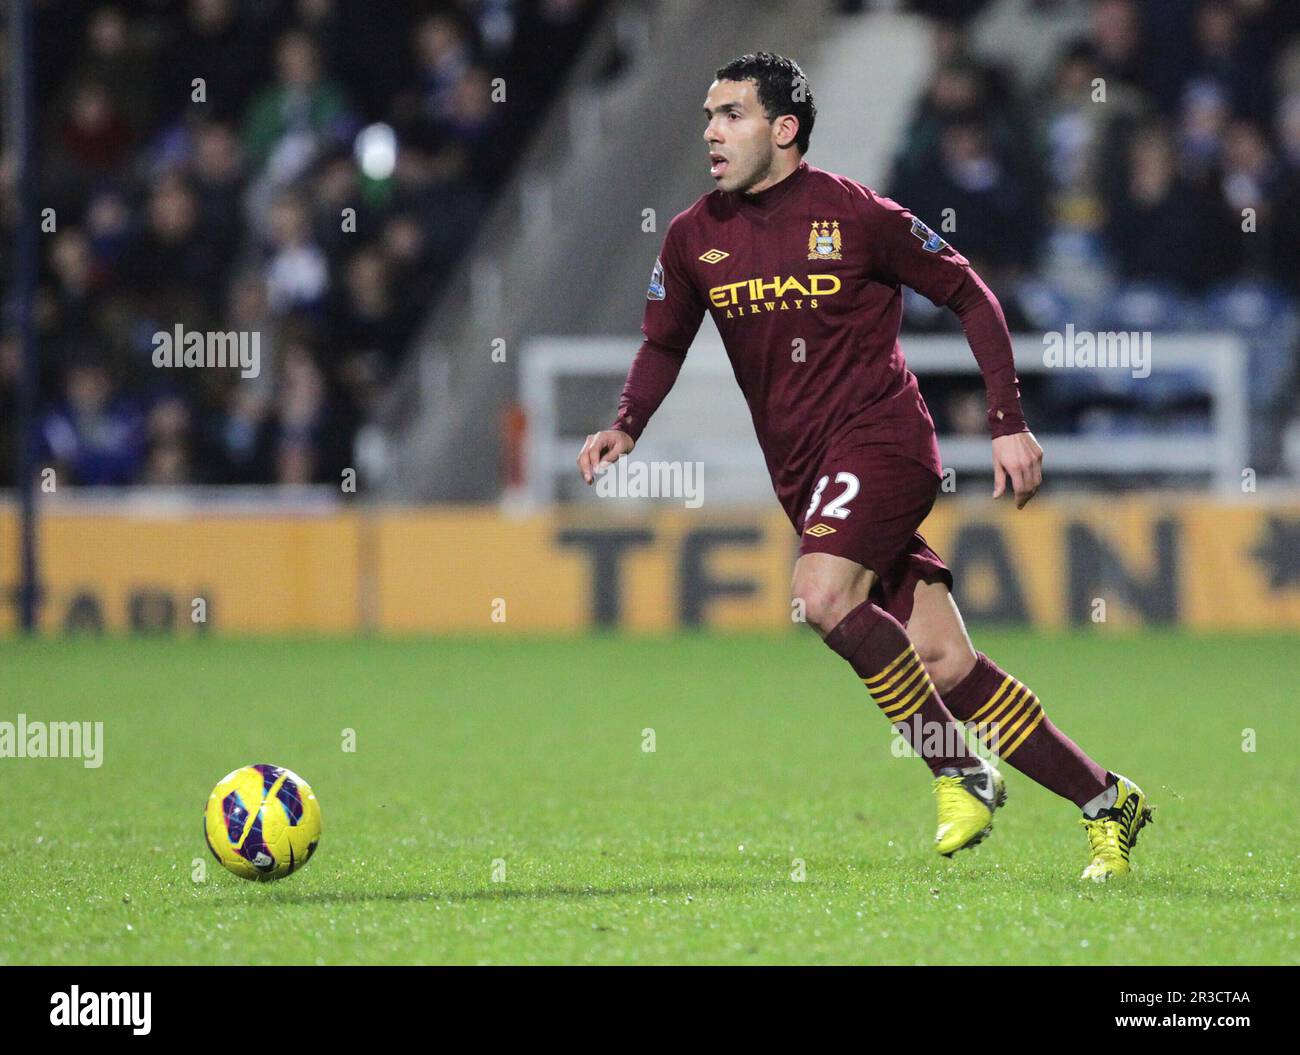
[[818, 530]]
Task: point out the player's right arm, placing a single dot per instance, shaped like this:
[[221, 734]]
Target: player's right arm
[[673, 313]]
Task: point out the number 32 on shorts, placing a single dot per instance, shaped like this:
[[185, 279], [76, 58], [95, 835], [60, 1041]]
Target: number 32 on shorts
[[835, 507]]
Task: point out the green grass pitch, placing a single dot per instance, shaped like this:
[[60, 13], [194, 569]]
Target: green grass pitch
[[470, 753]]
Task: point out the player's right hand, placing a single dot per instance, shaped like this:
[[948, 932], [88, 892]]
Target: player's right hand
[[603, 448]]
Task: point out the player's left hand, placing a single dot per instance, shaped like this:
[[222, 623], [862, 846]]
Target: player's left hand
[[1019, 457]]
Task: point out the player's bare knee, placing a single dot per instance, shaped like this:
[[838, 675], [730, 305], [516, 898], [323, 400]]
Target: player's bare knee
[[825, 592], [822, 606], [947, 662], [825, 603]]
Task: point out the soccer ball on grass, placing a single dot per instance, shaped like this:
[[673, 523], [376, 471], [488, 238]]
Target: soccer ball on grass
[[262, 822]]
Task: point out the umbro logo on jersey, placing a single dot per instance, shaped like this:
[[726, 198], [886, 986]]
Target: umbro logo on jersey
[[818, 530], [713, 256]]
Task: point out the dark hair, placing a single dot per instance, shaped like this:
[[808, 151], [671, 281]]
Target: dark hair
[[782, 89]]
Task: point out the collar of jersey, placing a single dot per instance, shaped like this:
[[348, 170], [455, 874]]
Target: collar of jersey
[[766, 200]]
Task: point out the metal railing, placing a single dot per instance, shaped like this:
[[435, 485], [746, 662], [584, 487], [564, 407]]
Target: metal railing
[[705, 412]]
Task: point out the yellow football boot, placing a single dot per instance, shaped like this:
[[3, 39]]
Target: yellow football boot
[[966, 803], [1113, 833]]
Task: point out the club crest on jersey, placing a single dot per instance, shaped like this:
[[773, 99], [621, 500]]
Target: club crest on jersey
[[656, 290], [824, 240], [930, 241]]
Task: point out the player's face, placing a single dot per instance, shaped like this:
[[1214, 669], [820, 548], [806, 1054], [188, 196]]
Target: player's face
[[739, 136]]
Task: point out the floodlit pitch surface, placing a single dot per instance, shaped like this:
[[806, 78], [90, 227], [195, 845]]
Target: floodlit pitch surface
[[501, 805]]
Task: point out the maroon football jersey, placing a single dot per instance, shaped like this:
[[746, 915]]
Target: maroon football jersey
[[803, 281]]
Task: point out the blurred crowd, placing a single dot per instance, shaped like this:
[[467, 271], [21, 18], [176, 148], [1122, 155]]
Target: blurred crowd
[[1149, 182], [309, 170]]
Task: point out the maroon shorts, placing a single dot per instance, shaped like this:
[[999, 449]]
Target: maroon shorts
[[866, 504]]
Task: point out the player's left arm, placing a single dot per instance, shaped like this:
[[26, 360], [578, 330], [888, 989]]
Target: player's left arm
[[905, 251], [1016, 454]]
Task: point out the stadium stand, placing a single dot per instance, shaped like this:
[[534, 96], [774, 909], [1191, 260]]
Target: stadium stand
[[198, 156], [1128, 215]]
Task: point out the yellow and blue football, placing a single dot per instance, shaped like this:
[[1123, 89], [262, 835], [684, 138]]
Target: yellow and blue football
[[262, 822]]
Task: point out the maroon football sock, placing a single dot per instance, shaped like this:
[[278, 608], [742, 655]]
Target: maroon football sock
[[1008, 719], [878, 650]]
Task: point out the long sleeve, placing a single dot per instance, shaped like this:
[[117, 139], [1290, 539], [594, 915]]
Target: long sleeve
[[986, 333], [906, 251], [673, 313], [653, 373]]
